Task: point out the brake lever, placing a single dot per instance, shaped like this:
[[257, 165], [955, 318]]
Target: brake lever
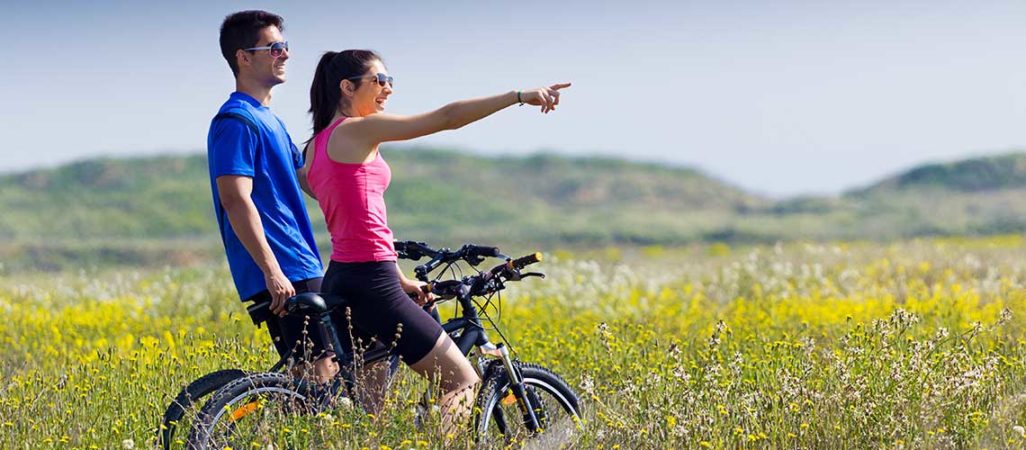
[[532, 274]]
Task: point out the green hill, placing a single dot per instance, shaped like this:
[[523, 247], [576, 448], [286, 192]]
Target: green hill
[[106, 209], [157, 210], [985, 195], [989, 173]]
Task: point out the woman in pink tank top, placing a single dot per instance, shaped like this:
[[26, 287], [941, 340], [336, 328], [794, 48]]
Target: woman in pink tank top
[[348, 176]]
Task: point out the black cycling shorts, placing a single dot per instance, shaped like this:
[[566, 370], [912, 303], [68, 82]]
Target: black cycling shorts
[[378, 306], [287, 332]]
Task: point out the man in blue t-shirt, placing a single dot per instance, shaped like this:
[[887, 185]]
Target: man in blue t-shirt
[[255, 176]]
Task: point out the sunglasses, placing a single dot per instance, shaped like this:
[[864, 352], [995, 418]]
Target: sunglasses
[[381, 78], [276, 49]]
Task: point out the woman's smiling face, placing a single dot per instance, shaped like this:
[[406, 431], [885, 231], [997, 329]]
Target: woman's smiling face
[[371, 95]]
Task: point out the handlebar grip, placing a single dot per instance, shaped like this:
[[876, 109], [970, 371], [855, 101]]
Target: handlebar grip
[[525, 261], [479, 250]]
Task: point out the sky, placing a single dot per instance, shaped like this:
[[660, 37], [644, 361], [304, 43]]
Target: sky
[[781, 98]]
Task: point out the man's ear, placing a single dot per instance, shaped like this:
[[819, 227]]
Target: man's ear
[[242, 58]]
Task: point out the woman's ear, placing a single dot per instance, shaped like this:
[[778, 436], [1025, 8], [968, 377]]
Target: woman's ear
[[345, 87]]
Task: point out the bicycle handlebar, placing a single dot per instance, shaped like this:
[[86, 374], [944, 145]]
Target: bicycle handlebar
[[471, 253], [480, 284]]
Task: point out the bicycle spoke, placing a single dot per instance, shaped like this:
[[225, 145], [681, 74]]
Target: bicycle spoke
[[507, 423], [260, 418]]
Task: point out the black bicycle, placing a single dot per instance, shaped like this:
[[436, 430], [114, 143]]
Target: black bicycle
[[517, 400], [177, 413]]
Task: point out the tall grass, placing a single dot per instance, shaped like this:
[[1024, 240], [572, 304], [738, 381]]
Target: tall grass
[[849, 345]]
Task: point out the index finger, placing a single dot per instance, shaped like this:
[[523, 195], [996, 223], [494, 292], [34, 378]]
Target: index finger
[[559, 86]]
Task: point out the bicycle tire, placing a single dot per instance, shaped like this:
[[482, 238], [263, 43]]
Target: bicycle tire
[[539, 381], [188, 396], [243, 389]]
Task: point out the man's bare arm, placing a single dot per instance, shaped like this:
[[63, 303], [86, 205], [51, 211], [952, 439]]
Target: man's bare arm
[[234, 192]]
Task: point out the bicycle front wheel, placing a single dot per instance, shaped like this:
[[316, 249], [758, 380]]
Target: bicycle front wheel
[[500, 419], [254, 411]]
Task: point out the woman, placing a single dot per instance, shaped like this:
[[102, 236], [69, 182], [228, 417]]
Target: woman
[[348, 176]]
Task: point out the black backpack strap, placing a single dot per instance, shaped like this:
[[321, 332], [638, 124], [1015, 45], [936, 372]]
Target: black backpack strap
[[232, 115]]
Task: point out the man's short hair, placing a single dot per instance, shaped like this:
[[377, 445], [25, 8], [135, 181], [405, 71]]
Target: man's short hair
[[242, 30]]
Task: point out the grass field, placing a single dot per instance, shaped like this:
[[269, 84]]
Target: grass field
[[917, 344]]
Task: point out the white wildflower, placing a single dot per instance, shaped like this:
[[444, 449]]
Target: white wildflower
[[588, 385], [682, 374], [1006, 315]]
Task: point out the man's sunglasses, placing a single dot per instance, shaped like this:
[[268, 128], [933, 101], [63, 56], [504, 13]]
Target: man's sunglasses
[[381, 78], [276, 49]]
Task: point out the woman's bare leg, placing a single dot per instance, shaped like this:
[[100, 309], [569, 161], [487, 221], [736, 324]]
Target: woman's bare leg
[[456, 377]]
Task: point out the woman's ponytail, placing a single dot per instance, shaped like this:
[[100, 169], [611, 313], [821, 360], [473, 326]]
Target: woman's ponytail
[[324, 93]]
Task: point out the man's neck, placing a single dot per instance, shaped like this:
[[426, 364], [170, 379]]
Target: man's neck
[[260, 92]]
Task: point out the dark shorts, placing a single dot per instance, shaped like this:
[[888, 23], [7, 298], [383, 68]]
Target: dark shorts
[[380, 310], [296, 334]]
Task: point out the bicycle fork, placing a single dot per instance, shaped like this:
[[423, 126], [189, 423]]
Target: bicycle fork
[[516, 382]]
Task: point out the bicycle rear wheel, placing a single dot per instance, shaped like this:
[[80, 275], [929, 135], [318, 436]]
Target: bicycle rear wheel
[[556, 406], [259, 409], [175, 414]]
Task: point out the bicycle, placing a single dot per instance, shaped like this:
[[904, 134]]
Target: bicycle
[[189, 396], [537, 399]]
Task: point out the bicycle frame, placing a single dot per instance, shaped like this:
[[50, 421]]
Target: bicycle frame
[[470, 334], [466, 332]]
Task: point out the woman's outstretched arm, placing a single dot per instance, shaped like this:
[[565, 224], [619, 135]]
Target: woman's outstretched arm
[[382, 127]]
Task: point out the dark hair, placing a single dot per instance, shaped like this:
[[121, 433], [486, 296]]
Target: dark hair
[[331, 70], [242, 30]]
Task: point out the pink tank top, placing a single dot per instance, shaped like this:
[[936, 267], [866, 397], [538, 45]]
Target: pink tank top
[[352, 197]]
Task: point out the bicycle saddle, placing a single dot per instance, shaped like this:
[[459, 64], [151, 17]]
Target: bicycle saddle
[[313, 304], [307, 304]]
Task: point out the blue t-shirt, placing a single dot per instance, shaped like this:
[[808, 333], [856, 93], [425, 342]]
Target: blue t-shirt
[[267, 155]]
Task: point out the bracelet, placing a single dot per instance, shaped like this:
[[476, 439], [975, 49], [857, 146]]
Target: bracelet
[[521, 102]]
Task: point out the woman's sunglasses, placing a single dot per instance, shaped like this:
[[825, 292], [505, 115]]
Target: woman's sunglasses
[[381, 78], [276, 49]]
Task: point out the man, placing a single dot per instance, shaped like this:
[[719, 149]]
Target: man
[[255, 176]]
